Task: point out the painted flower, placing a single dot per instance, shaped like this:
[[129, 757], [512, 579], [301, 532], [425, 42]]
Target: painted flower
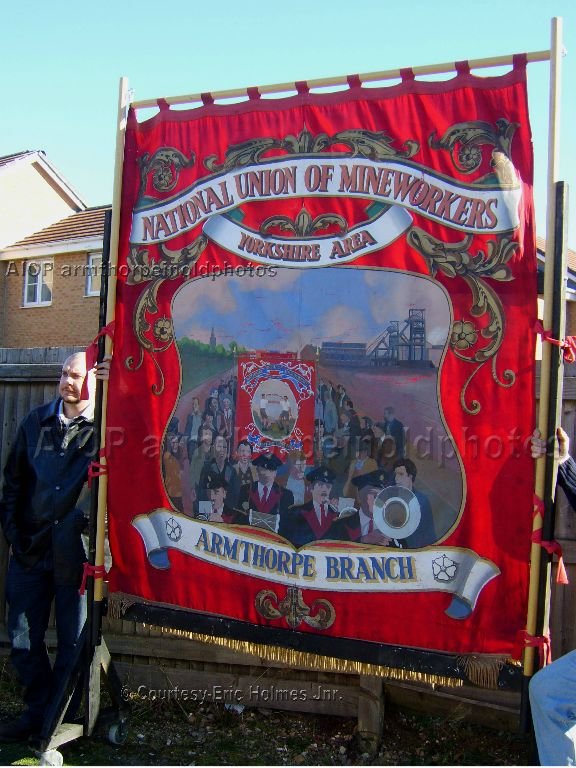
[[470, 157], [464, 334], [163, 329]]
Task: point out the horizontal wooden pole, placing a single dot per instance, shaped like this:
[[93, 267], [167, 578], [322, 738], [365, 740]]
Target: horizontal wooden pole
[[368, 77]]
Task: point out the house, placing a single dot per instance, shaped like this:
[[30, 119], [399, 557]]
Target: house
[[50, 283], [50, 256], [33, 194]]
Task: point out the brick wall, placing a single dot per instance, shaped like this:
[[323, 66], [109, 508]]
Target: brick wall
[[571, 318], [71, 319]]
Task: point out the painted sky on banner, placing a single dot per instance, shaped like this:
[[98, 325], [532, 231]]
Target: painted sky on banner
[[294, 310], [60, 90]]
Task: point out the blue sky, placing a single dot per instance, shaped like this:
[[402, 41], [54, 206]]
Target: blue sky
[[61, 63]]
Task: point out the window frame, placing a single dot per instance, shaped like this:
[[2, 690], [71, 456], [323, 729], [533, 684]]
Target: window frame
[[88, 289], [41, 275]]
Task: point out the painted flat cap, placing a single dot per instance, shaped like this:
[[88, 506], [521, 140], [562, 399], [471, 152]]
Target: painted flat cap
[[320, 475], [375, 479], [267, 461]]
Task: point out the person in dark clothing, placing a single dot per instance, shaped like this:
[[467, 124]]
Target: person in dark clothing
[[265, 496], [318, 519], [405, 475], [553, 688], [43, 513], [395, 429]]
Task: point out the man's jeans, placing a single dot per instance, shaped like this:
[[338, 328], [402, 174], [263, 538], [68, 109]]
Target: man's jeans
[[29, 592], [553, 702]]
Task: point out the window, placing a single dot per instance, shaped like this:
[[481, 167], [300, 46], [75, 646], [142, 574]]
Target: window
[[38, 283], [93, 274]]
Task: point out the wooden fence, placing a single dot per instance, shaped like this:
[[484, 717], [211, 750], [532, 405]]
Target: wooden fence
[[145, 655]]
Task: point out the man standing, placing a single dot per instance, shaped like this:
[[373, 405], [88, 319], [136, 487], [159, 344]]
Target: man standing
[[404, 475], [553, 688], [200, 457], [369, 486], [225, 423], [296, 483], [221, 512], [264, 411], [193, 422], [266, 496], [245, 472], [43, 512], [395, 429], [318, 519], [220, 464]]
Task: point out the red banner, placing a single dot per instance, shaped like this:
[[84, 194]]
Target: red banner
[[323, 381]]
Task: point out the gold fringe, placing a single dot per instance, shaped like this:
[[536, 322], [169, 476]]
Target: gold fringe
[[290, 657], [482, 671], [118, 604]]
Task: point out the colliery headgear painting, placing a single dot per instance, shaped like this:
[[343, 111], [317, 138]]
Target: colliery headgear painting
[[323, 356]]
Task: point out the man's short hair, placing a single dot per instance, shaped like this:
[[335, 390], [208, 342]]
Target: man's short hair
[[245, 442], [410, 467]]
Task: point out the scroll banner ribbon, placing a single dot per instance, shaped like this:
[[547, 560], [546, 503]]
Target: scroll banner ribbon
[[320, 252], [354, 568], [568, 345], [394, 183], [542, 642], [92, 355], [552, 547]]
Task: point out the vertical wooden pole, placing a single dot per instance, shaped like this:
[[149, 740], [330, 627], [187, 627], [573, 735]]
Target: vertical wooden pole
[[111, 306], [96, 648], [551, 279], [370, 712]]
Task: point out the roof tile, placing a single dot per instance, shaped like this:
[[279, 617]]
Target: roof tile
[[88, 223]]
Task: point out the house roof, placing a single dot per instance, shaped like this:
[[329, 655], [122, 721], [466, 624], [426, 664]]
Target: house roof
[[87, 224], [570, 254], [7, 159], [37, 158]]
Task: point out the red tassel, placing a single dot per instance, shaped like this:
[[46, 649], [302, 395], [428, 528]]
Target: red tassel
[[553, 548], [96, 571], [97, 468], [542, 642], [92, 355], [568, 345]]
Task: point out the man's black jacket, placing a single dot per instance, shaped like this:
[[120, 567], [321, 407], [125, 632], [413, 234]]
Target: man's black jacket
[[567, 480], [43, 480]]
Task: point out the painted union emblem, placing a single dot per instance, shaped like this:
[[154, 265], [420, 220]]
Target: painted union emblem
[[173, 529], [320, 615], [444, 569]]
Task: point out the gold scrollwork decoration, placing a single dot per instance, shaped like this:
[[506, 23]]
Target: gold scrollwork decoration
[[165, 166], [155, 333], [304, 225], [372, 145], [320, 615], [464, 142], [455, 260]]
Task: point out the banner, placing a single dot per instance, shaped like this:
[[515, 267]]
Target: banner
[[323, 384]]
